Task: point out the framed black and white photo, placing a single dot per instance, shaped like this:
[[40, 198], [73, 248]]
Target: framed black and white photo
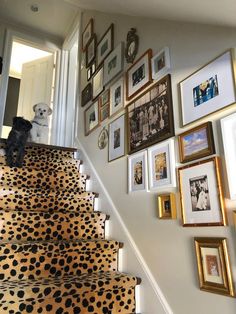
[[98, 83], [104, 105], [91, 118], [117, 96], [137, 172], [86, 94], [91, 51], [87, 34], [116, 138], [161, 64], [105, 45]]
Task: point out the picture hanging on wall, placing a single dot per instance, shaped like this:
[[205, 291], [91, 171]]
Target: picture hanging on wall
[[91, 50], [91, 118], [161, 64], [87, 34], [137, 172], [105, 45], [104, 105], [98, 83], [116, 138], [103, 138], [86, 95], [117, 96], [166, 206]]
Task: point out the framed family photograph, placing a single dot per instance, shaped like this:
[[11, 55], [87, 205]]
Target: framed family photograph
[[196, 143], [103, 138], [105, 45], [166, 206], [91, 51], [201, 194], [150, 116], [161, 64], [116, 138], [98, 86], [91, 118], [209, 89], [117, 96], [86, 95], [161, 164], [139, 75], [214, 268], [137, 172], [87, 34]]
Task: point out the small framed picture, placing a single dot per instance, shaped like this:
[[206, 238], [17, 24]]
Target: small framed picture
[[117, 138], [161, 161], [104, 99], [91, 118], [91, 51], [87, 34], [104, 112], [117, 96], [139, 75], [91, 70], [137, 172], [103, 138], [214, 269], [86, 94], [104, 105], [98, 83], [114, 63], [105, 45], [166, 206], [201, 194], [196, 143], [161, 64]]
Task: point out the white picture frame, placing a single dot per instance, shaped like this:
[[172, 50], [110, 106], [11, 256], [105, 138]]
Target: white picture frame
[[161, 64], [117, 96], [137, 172], [97, 82], [116, 138]]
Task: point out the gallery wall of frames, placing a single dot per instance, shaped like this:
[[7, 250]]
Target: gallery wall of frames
[[143, 131]]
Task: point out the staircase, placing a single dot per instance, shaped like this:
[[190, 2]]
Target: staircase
[[54, 257]]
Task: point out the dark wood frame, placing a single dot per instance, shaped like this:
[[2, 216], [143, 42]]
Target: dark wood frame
[[90, 24], [88, 90], [110, 29], [94, 41], [97, 71]]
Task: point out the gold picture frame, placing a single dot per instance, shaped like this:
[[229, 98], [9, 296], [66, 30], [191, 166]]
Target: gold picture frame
[[166, 206], [214, 269]]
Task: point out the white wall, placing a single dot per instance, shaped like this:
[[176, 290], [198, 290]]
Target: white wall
[[166, 246]]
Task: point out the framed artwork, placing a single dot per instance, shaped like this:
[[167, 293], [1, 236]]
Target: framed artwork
[[161, 164], [91, 118], [86, 95], [150, 116], [91, 50], [98, 83], [166, 206], [91, 70], [114, 63], [87, 34], [209, 89], [103, 138], [214, 269], [105, 45], [116, 138], [161, 64], [104, 105], [132, 44], [138, 76], [117, 96], [137, 172], [196, 143], [201, 194]]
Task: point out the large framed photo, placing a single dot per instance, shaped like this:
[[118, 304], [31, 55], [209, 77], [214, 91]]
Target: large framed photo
[[98, 86], [91, 51], [117, 96], [137, 172], [150, 116], [105, 45], [214, 269], [161, 64], [139, 75], [209, 89], [201, 194], [116, 138], [196, 143], [87, 34], [166, 206], [86, 94], [161, 164], [91, 118]]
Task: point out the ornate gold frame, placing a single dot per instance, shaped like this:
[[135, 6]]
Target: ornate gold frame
[[161, 200]]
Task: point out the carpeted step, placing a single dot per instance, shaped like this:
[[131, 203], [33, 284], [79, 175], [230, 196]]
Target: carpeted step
[[34, 260], [103, 292]]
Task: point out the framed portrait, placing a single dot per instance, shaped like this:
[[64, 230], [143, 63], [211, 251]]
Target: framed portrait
[[87, 94], [104, 105], [214, 269], [201, 194], [117, 96], [161, 165], [196, 143], [87, 34], [98, 83], [209, 89], [150, 116], [166, 206], [105, 45], [160, 64], [137, 172], [116, 138], [103, 138], [114, 63], [91, 118], [91, 50]]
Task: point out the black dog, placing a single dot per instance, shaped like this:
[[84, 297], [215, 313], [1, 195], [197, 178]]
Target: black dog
[[15, 145]]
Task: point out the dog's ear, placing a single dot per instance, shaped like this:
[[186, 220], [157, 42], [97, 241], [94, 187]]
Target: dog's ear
[[49, 111], [34, 107], [15, 120]]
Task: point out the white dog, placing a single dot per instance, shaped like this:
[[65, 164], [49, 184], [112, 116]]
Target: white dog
[[39, 131]]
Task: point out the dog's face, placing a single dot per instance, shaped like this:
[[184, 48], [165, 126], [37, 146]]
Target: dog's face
[[20, 124], [42, 110]]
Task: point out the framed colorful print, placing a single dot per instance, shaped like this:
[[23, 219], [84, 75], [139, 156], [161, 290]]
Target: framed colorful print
[[86, 94], [103, 138], [166, 206], [105, 45], [161, 164], [91, 50], [98, 83], [150, 116], [196, 143], [214, 269], [137, 172], [87, 34], [161, 64], [209, 89], [138, 76], [116, 138], [114, 63], [91, 118], [117, 96], [201, 194]]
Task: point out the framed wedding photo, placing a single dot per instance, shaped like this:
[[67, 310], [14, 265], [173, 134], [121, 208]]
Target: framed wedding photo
[[214, 269], [117, 96], [86, 94], [116, 138], [166, 206], [201, 194], [196, 143], [137, 172], [161, 64], [91, 51], [87, 34], [105, 45], [91, 118], [209, 89], [139, 75], [98, 86]]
